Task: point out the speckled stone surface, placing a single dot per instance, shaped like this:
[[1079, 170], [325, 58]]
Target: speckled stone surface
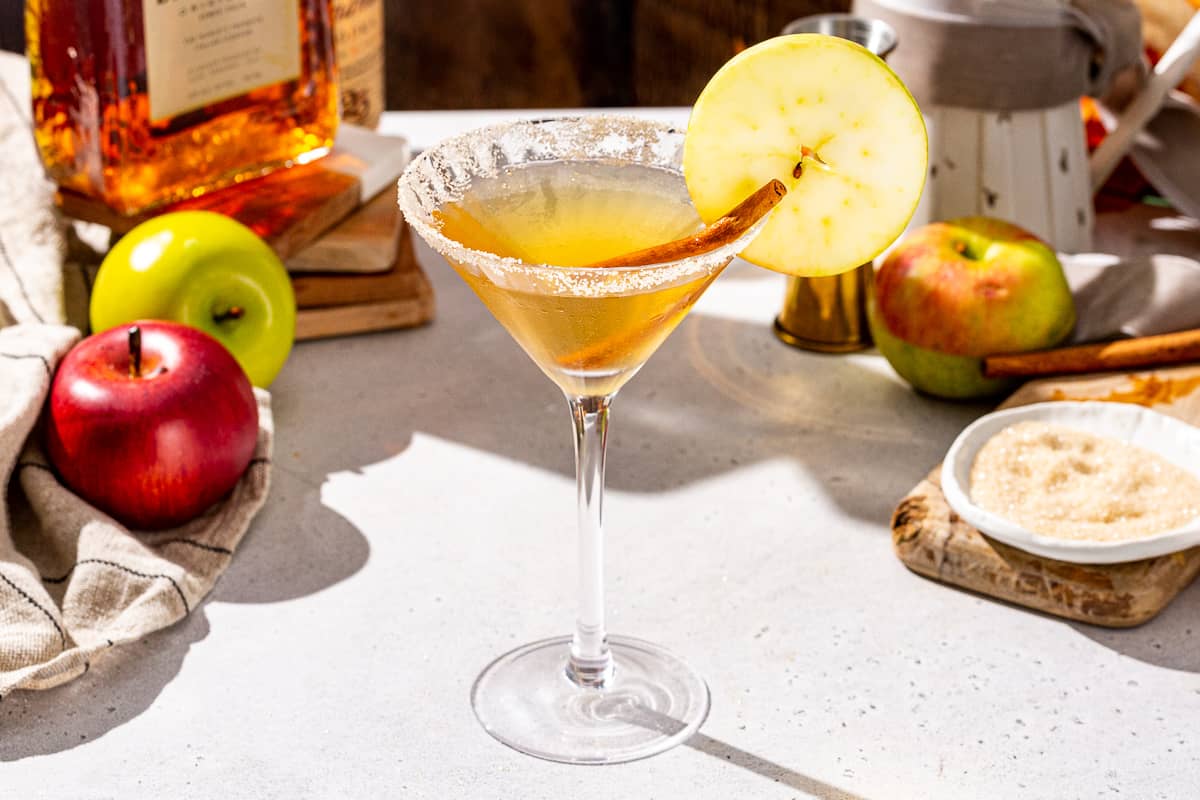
[[420, 525]]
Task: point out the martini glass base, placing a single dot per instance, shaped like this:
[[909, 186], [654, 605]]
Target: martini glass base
[[653, 702]]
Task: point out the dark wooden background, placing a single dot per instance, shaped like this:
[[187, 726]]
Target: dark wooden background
[[553, 53]]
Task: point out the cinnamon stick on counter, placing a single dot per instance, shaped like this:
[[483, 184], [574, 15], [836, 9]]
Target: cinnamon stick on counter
[[725, 230], [1144, 351]]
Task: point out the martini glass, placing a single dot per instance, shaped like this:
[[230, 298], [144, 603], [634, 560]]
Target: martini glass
[[519, 210]]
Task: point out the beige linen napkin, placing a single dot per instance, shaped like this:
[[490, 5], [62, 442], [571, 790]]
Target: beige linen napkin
[[73, 582], [43, 263], [1142, 296]]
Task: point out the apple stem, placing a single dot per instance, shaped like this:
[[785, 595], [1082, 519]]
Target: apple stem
[[233, 312], [135, 351]]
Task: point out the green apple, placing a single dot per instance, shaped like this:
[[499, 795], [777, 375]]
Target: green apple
[[953, 292], [831, 121], [208, 271]]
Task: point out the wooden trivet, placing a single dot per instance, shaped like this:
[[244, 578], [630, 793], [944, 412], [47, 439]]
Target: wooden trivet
[[289, 208], [365, 241], [931, 539], [341, 304]]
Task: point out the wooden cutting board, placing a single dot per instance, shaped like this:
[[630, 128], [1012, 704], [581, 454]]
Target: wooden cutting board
[[931, 539]]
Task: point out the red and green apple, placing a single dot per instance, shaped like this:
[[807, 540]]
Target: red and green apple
[[953, 292]]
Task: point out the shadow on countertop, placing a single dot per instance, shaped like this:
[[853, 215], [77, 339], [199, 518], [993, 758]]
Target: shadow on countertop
[[298, 545], [1170, 640], [727, 753], [295, 547], [115, 689]]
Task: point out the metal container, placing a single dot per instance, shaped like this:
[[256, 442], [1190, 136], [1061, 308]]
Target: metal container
[[829, 314], [875, 35]]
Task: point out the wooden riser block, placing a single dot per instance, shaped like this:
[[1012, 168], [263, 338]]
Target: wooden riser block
[[932, 540], [402, 280], [327, 323], [363, 242], [338, 305]]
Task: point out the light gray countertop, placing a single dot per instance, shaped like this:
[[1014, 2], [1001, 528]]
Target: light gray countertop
[[421, 523]]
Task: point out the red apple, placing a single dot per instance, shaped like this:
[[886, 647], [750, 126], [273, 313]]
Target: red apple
[[152, 424], [953, 292]]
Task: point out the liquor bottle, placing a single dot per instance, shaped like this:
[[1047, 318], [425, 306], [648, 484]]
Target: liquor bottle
[[358, 34], [139, 103]]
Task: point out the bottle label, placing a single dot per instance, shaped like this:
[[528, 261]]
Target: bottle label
[[358, 32], [200, 52]]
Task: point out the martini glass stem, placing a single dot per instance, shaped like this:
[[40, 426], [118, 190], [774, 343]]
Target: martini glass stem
[[590, 663]]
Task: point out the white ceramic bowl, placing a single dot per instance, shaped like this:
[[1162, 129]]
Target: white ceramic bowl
[[1170, 438]]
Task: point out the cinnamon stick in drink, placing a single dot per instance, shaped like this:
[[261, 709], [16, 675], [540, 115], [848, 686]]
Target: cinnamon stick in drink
[[1144, 351], [725, 230]]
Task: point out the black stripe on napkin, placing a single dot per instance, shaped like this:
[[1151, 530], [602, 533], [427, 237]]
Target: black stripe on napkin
[[187, 608], [22, 356], [61, 635], [212, 548], [20, 283]]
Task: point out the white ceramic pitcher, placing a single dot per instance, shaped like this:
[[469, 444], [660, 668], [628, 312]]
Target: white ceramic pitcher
[[999, 82]]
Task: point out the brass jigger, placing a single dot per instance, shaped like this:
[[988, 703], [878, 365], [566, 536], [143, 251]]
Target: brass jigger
[[830, 314]]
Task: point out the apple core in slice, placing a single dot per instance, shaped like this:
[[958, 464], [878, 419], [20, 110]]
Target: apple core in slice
[[831, 121]]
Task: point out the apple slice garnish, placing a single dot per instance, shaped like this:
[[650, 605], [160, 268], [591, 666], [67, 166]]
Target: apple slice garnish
[[831, 121]]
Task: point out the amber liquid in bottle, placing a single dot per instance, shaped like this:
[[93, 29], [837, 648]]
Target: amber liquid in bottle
[[145, 102]]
